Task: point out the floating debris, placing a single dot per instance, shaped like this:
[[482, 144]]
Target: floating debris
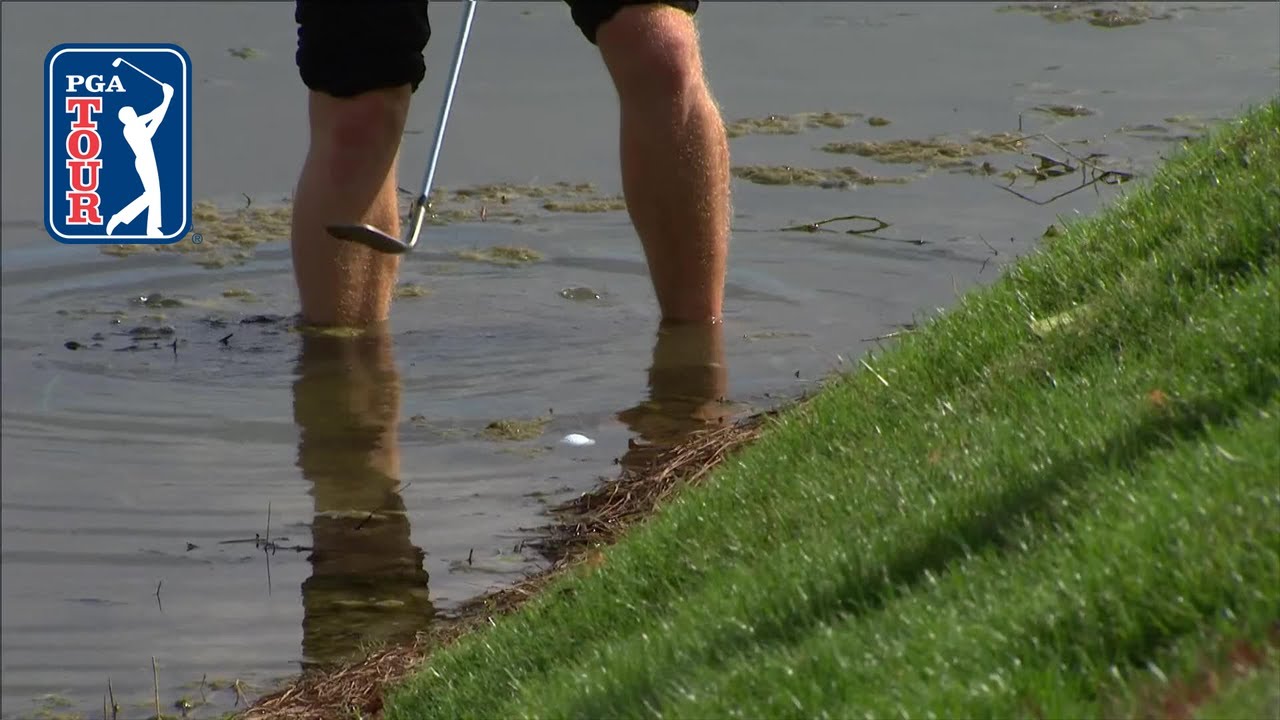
[[836, 178], [789, 124], [930, 152], [411, 290], [502, 255], [1097, 14], [515, 429], [577, 440], [1064, 111], [579, 294]]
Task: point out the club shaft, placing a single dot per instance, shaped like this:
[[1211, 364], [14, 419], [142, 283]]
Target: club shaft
[[135, 67], [463, 36]]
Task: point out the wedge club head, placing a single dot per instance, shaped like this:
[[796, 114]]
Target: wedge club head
[[371, 236], [379, 240]]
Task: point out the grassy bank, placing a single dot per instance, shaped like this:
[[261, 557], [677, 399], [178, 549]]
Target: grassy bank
[[1062, 499]]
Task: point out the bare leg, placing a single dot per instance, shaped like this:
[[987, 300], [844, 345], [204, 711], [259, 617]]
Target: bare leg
[[349, 177], [675, 157]]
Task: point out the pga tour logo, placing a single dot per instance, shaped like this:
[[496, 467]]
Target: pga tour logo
[[117, 143]]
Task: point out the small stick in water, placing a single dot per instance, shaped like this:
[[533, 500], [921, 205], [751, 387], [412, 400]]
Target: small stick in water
[[155, 678]]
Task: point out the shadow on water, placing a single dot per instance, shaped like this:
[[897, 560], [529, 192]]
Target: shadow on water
[[368, 583]]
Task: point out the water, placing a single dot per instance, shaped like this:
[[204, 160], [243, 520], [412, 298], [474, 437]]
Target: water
[[138, 474]]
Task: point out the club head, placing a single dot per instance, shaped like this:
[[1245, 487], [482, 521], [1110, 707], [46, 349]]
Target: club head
[[116, 62], [369, 236], [373, 237]]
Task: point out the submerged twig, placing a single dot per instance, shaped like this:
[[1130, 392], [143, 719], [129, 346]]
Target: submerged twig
[[994, 253], [889, 336], [1087, 167], [816, 226], [155, 678], [1106, 178]]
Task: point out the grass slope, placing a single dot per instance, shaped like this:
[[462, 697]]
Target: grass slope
[[1061, 499]]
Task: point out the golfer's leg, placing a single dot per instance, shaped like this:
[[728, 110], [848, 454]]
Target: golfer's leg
[[361, 62], [674, 153], [348, 177]]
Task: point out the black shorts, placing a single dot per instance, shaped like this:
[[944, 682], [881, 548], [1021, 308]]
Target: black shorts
[[346, 48]]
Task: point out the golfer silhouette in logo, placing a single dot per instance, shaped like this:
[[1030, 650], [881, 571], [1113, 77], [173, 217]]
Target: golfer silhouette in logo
[[138, 131]]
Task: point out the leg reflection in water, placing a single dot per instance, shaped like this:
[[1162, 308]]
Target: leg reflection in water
[[687, 383], [368, 584]]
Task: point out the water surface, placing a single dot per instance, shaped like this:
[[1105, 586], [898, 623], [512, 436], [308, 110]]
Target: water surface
[[138, 472]]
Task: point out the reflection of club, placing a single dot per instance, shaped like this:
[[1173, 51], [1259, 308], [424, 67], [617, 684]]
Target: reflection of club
[[116, 63]]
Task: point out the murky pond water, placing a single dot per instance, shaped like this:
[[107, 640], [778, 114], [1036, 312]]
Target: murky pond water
[[161, 409]]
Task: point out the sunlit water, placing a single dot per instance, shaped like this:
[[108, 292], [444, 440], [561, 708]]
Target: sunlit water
[[138, 470]]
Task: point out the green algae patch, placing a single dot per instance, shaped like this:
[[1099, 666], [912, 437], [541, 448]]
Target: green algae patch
[[517, 203], [220, 236], [240, 294], [223, 236], [877, 121], [156, 300], [1097, 14], [1193, 123], [935, 152], [611, 204], [839, 178], [773, 335], [335, 331], [502, 255], [579, 294], [500, 194], [408, 291], [1175, 128], [515, 429], [1063, 111], [789, 124]]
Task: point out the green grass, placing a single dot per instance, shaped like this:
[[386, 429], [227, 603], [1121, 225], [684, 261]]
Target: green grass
[[1032, 519]]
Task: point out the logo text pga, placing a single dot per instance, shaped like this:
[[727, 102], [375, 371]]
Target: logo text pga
[[117, 143]]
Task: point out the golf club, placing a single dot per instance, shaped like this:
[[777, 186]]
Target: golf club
[[379, 240], [116, 63]]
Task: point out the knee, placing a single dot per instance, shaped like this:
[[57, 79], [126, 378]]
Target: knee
[[367, 123], [652, 53]]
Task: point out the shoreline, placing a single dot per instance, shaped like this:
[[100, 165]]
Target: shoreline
[[571, 543], [1044, 354]]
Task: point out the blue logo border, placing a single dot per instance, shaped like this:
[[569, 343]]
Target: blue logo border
[[188, 126]]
